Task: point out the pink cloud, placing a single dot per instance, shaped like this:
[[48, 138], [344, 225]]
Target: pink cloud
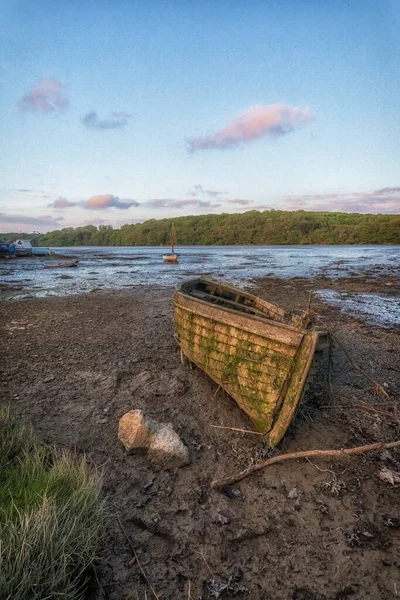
[[256, 122], [100, 202], [46, 96], [105, 201]]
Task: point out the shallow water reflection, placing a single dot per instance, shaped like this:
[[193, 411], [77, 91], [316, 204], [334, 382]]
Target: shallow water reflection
[[115, 268], [374, 308]]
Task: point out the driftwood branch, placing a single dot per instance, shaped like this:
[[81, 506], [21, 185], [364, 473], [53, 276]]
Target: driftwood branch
[[220, 483]]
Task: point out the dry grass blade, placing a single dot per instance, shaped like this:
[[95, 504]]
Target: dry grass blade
[[236, 429], [137, 559]]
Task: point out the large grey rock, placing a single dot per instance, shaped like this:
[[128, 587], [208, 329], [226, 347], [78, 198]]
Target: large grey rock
[[166, 449], [162, 444], [135, 431]]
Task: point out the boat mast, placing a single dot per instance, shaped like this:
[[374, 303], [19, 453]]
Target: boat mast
[[172, 238]]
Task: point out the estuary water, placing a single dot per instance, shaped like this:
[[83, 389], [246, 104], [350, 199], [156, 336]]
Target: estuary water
[[108, 268]]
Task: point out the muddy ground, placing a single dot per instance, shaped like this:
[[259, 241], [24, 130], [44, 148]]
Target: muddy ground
[[319, 530]]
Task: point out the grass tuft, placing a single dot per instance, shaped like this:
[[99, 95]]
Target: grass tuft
[[52, 517]]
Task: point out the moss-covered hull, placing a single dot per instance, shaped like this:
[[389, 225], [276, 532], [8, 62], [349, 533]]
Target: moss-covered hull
[[245, 345]]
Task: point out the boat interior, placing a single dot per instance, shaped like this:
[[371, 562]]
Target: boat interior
[[223, 295]]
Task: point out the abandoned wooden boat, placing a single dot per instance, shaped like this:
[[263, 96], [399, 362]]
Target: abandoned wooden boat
[[262, 356], [62, 264]]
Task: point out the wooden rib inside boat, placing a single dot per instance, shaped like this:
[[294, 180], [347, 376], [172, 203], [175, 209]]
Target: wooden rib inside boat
[[264, 357]]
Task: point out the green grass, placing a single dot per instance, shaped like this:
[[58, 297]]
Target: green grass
[[52, 517]]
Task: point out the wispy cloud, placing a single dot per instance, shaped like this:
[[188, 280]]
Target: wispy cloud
[[61, 203], [105, 201], [47, 96], [385, 200], [258, 207], [117, 120], [27, 191], [173, 203], [238, 201], [274, 120], [200, 190], [95, 222], [42, 220]]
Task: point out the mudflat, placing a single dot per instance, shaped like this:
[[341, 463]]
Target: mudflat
[[304, 530]]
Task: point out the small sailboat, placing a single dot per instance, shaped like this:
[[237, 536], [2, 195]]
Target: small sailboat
[[172, 256]]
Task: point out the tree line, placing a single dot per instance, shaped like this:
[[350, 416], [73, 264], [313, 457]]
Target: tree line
[[270, 227]]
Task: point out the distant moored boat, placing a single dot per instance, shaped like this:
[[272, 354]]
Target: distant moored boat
[[62, 264], [172, 256]]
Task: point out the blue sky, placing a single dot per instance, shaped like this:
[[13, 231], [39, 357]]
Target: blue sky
[[115, 112]]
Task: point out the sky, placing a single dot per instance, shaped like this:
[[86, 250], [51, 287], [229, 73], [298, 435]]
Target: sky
[[118, 112]]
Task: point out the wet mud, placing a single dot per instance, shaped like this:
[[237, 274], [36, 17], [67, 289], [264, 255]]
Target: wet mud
[[304, 530]]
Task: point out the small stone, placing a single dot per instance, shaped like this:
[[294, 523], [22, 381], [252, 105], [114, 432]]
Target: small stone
[[237, 574], [385, 455], [389, 476], [293, 494], [135, 431], [233, 493], [221, 519], [166, 449]]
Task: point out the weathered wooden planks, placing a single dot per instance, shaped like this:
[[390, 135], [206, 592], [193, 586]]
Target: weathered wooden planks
[[262, 362]]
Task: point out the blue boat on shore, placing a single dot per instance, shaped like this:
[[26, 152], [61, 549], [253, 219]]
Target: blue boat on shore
[[7, 250]]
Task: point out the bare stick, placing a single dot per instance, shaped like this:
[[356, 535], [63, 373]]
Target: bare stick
[[136, 556], [145, 576], [236, 429], [220, 483], [217, 390], [322, 470], [205, 562], [372, 409], [125, 534]]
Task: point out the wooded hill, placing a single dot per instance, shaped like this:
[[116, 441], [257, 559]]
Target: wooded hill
[[270, 227]]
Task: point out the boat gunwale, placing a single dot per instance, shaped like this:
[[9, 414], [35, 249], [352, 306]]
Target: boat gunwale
[[258, 318]]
